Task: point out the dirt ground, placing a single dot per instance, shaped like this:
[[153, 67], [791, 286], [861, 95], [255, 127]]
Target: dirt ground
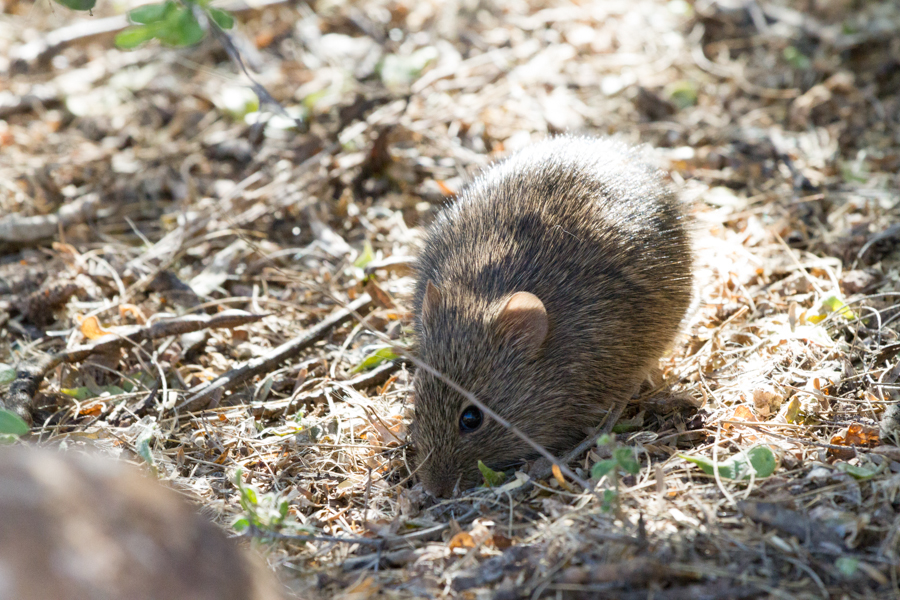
[[141, 187]]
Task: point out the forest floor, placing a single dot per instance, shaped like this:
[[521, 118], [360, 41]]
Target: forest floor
[[139, 187]]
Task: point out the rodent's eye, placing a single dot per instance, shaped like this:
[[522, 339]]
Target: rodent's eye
[[470, 419]]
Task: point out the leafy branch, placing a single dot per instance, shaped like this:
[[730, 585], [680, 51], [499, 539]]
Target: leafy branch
[[182, 23]]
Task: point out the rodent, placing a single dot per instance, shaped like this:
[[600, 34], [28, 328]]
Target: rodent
[[83, 527], [548, 289]]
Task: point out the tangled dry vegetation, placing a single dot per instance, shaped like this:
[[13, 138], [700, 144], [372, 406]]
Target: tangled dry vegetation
[[141, 187]]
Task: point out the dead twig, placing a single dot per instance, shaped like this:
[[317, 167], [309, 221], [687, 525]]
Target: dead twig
[[16, 229], [29, 377], [263, 364]]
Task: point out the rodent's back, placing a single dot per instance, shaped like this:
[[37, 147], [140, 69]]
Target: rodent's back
[[551, 207], [595, 234]]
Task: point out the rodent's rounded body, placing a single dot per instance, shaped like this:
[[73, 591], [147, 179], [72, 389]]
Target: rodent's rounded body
[[77, 527], [548, 290]]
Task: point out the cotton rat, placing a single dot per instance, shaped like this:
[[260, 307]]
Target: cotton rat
[[78, 527], [548, 289]]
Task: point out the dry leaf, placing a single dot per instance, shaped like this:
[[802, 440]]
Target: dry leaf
[[90, 328], [557, 474], [481, 530], [857, 435], [461, 540], [134, 311], [361, 590], [379, 296]]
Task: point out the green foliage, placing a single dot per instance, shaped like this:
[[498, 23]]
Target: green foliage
[[831, 304], [683, 93], [398, 70], [491, 478], [78, 4], [172, 23], [222, 18], [796, 59], [365, 257], [622, 458], [862, 472], [11, 426], [86, 392], [374, 359], [622, 461], [757, 462], [7, 374], [262, 512], [847, 566], [143, 447]]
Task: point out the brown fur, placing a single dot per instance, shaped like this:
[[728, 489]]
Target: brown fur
[[77, 527], [591, 231]]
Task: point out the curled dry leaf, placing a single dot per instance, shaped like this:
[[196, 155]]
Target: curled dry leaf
[[461, 540], [90, 328], [853, 435], [134, 311]]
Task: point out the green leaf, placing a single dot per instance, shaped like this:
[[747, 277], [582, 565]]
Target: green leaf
[[7, 374], [79, 393], [861, 472], [399, 70], [625, 458], [78, 4], [374, 359], [151, 13], [683, 93], [12, 424], [491, 478], [609, 500], [143, 446], [828, 305], [603, 467], [180, 29], [847, 565], [625, 427], [240, 524], [759, 460], [249, 495], [134, 37], [222, 18], [835, 304], [795, 58], [604, 440], [367, 256]]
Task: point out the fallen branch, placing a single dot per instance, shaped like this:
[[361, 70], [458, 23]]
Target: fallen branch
[[263, 364], [16, 229], [29, 376]]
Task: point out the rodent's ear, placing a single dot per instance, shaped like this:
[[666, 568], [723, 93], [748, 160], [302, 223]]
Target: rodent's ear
[[524, 318], [431, 301]]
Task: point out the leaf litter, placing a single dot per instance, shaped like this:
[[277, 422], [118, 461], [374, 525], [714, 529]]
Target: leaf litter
[[140, 190]]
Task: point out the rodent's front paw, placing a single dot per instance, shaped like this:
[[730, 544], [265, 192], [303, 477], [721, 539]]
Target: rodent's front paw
[[541, 468]]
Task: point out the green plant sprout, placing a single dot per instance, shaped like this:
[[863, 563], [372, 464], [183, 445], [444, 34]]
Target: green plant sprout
[[622, 461], [263, 513]]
